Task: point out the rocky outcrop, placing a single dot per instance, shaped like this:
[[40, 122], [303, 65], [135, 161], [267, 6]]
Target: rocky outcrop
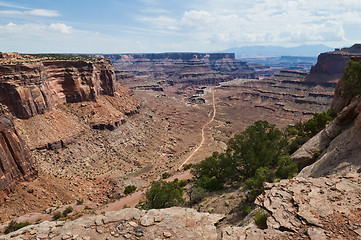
[[130, 223], [15, 160], [337, 147], [33, 88], [8, 56], [299, 208], [307, 208], [331, 65]]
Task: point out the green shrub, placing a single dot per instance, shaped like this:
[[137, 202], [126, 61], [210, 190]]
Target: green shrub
[[286, 168], [13, 226], [67, 210], [129, 189], [317, 123], [196, 195], [56, 215], [316, 155], [260, 219], [292, 131], [352, 79], [262, 175], [214, 171], [297, 143], [187, 166], [210, 184], [79, 201], [165, 175], [260, 145], [164, 194], [246, 209]]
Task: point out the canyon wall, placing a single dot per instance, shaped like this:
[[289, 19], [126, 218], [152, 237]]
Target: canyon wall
[[182, 68], [331, 65], [31, 91], [15, 160], [33, 88]]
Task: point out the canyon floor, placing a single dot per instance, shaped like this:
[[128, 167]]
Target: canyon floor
[[96, 165]]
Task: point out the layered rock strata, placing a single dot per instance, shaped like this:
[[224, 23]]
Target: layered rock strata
[[182, 68], [30, 89], [15, 160], [282, 99], [331, 65]]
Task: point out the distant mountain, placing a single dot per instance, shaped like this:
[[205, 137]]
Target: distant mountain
[[277, 51]]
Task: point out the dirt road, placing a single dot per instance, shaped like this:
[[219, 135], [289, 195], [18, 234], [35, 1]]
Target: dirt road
[[203, 130], [134, 198]]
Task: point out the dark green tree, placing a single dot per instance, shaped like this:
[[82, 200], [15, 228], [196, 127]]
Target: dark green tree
[[164, 194], [260, 145], [219, 166], [287, 168], [352, 79], [317, 123], [129, 189]]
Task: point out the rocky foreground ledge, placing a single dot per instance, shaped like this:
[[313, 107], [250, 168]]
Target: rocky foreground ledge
[[308, 208], [129, 223], [299, 208]]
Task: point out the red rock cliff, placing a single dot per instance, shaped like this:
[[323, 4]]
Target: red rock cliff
[[15, 161], [30, 89], [331, 65]]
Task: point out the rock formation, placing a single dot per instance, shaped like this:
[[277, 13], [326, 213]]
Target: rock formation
[[182, 68], [307, 208], [15, 160], [282, 99], [338, 144], [130, 223], [33, 88], [331, 65]]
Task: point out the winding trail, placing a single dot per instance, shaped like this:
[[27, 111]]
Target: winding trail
[[203, 129], [133, 199]]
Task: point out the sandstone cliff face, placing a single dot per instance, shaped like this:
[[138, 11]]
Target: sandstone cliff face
[[331, 65], [15, 161], [30, 89]]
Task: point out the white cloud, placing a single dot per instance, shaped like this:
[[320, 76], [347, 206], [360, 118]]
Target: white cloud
[[10, 12], [33, 29], [271, 21], [61, 27], [9, 5], [34, 12], [43, 13]]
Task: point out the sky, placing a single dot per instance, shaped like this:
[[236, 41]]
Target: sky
[[133, 26]]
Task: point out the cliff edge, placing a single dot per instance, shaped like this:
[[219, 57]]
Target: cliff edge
[[16, 163], [331, 65], [33, 88]]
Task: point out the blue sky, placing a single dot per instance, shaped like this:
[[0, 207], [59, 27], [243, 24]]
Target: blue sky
[[124, 26]]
